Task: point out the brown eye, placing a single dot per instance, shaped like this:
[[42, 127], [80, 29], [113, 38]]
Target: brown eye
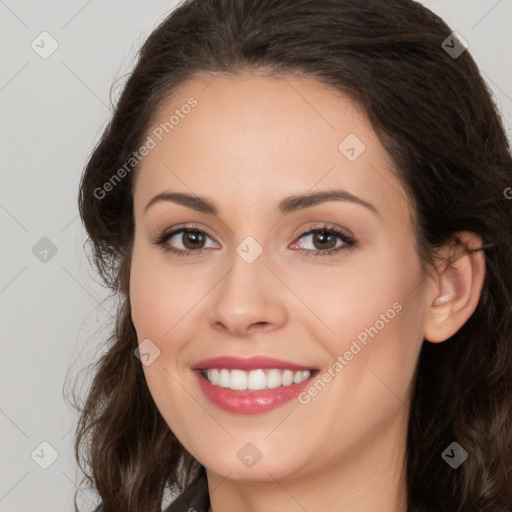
[[185, 241], [193, 239], [324, 241]]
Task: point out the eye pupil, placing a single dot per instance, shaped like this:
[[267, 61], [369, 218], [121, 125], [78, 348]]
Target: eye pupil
[[322, 236], [196, 237]]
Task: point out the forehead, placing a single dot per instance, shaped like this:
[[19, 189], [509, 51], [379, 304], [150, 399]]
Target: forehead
[[251, 139]]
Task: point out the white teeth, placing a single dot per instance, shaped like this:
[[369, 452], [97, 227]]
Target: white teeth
[[224, 378], [273, 379], [213, 376], [287, 378], [256, 380], [239, 380], [300, 376]]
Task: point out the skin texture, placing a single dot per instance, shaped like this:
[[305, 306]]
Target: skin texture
[[251, 141]]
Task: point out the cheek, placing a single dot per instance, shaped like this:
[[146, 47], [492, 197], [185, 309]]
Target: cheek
[[352, 298], [160, 294], [158, 303], [375, 312]]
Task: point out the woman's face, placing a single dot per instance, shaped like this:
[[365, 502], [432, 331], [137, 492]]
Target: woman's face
[[354, 313]]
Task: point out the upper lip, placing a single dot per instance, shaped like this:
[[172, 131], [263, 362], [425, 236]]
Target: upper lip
[[251, 363]]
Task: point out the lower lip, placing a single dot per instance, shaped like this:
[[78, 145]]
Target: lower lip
[[251, 402]]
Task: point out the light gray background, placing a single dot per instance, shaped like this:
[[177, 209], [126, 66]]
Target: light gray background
[[54, 313]]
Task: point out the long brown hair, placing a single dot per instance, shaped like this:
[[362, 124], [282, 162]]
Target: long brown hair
[[434, 115]]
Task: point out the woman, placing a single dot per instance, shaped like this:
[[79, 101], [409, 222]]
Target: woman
[[302, 205]]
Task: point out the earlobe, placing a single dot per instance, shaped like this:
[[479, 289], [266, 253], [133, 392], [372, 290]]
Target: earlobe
[[455, 291]]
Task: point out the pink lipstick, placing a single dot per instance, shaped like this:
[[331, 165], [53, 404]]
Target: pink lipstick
[[251, 386]]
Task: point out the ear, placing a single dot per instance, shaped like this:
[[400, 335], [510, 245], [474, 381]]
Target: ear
[[455, 286]]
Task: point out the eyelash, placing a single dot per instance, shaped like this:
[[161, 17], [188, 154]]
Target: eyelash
[[348, 242]]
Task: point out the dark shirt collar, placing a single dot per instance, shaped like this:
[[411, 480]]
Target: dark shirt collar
[[195, 496]]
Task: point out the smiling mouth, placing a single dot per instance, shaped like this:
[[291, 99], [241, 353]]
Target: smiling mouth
[[255, 380]]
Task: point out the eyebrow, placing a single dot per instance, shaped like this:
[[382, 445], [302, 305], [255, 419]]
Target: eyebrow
[[287, 205]]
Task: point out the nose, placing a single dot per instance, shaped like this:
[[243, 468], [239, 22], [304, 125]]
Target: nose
[[249, 298]]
